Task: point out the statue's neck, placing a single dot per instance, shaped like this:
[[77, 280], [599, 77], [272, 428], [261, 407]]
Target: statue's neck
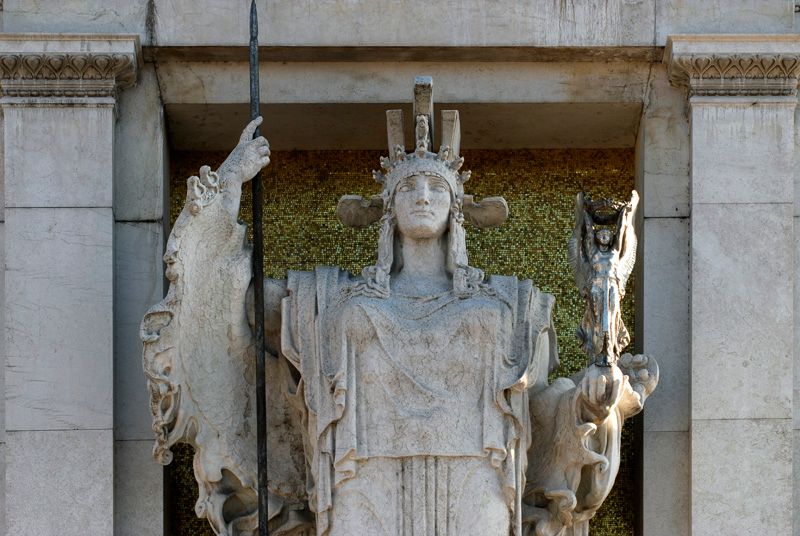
[[424, 263]]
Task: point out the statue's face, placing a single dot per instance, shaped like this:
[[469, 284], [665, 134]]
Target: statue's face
[[604, 237], [422, 206]]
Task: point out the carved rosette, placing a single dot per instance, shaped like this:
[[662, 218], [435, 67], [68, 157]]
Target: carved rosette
[[84, 74], [736, 74]]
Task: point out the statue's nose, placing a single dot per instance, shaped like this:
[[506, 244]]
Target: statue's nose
[[424, 197]]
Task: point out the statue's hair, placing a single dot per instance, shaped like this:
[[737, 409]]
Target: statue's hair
[[466, 279]]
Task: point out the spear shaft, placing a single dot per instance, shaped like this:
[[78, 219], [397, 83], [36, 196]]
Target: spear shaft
[[258, 286]]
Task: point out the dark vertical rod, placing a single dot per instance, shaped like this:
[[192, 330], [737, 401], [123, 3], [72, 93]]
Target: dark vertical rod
[[258, 286]]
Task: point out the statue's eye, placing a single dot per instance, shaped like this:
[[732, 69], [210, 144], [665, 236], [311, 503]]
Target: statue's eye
[[406, 187], [439, 188]]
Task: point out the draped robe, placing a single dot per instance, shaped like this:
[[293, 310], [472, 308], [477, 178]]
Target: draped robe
[[417, 410]]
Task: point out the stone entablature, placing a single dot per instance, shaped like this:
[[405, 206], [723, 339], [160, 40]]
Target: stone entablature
[[67, 65], [734, 65]]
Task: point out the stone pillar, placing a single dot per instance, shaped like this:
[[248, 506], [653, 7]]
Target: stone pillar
[[662, 323], [58, 99], [140, 179], [742, 98]]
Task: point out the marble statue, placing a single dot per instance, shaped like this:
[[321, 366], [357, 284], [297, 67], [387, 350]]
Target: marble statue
[[412, 399]]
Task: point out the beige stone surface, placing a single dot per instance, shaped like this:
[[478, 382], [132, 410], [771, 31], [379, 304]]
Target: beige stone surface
[[796, 362], [722, 17], [665, 149], [138, 276], [92, 16], [742, 311], [742, 149], [138, 490], [796, 483], [386, 22], [140, 151], [664, 332], [665, 483], [384, 82], [51, 489], [58, 156], [58, 319], [741, 477]]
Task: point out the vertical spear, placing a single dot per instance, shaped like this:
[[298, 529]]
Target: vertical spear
[[258, 280]]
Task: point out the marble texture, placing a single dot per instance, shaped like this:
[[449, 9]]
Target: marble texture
[[722, 17], [92, 16], [382, 434], [796, 355], [665, 149], [382, 82], [138, 276], [741, 474], [742, 149], [755, 290], [663, 298], [50, 487], [666, 484], [58, 319], [3, 334], [138, 490], [140, 151], [305, 22], [58, 156]]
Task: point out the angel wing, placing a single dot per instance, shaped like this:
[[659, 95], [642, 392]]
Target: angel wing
[[627, 242], [200, 365], [576, 246]]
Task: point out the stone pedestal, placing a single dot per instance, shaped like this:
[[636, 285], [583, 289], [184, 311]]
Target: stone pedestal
[[58, 99], [742, 98]]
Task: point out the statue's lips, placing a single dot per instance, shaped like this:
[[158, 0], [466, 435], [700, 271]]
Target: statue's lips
[[423, 213]]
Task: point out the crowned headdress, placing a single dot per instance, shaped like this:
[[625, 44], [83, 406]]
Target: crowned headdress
[[355, 211]]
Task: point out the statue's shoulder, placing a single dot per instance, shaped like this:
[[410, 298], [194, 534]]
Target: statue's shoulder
[[322, 286], [523, 291]]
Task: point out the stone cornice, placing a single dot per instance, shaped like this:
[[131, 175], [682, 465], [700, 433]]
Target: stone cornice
[[729, 65], [57, 65]]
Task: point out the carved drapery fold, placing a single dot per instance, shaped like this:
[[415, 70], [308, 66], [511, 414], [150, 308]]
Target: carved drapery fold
[[69, 67]]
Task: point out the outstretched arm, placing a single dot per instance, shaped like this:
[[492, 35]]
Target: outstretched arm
[[247, 158], [626, 241], [576, 246]]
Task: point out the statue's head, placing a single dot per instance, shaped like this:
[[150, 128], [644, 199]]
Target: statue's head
[[603, 237], [422, 196]]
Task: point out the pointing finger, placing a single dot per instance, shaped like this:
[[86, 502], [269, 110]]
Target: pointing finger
[[250, 129]]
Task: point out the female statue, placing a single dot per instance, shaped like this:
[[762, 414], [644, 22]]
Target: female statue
[[401, 399]]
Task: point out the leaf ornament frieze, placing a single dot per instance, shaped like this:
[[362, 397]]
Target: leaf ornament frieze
[[736, 74], [66, 75]]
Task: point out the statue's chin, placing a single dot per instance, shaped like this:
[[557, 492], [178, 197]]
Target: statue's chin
[[422, 230]]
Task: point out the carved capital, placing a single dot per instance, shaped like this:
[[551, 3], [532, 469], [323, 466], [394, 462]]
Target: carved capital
[[67, 66], [734, 65]]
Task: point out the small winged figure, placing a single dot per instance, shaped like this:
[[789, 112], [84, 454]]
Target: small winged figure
[[602, 252], [411, 399]]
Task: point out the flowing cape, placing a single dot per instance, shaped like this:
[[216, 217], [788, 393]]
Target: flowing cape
[[199, 360]]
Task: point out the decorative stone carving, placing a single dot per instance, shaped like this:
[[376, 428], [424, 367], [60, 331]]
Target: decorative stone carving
[[731, 65], [411, 399], [736, 74], [67, 71]]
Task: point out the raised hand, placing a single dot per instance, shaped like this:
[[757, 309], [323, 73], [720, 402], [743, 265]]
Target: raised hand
[[600, 391], [248, 157]]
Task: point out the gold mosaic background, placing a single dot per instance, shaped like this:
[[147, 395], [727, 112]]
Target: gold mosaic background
[[301, 189]]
